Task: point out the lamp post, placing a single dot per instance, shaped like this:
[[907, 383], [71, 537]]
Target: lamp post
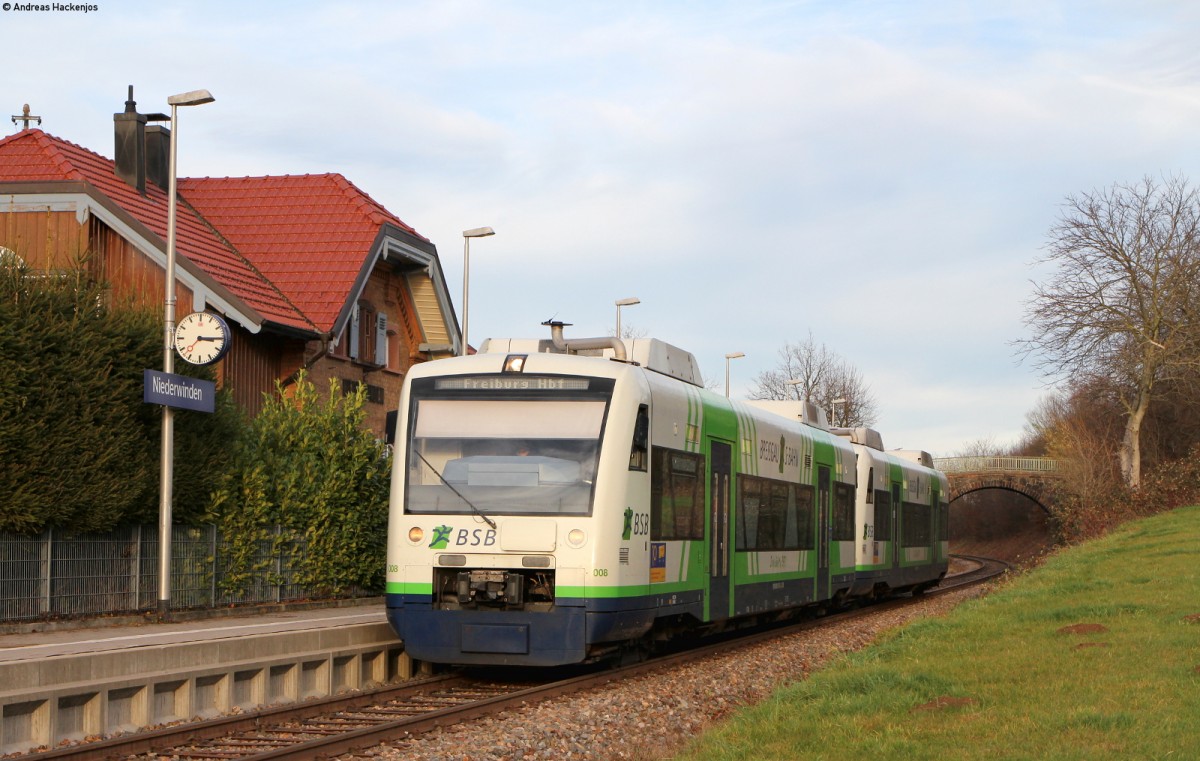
[[167, 466], [834, 404], [477, 232], [728, 357], [624, 303], [793, 384]]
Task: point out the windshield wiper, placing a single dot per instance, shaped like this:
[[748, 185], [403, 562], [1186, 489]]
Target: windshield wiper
[[470, 504]]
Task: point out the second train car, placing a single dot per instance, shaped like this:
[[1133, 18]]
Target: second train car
[[559, 501]]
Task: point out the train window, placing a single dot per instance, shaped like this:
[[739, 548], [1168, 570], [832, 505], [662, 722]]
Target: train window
[[915, 525], [770, 517], [843, 513], [748, 506], [805, 518], [883, 516], [638, 455], [503, 456], [676, 495]]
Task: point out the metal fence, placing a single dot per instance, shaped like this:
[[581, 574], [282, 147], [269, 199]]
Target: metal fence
[[57, 574], [987, 464]]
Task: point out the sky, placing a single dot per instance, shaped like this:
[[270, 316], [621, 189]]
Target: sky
[[880, 175]]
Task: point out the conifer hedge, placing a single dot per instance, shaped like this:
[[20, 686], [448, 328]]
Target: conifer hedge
[[79, 449]]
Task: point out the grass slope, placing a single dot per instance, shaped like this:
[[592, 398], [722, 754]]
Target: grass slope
[[1093, 655]]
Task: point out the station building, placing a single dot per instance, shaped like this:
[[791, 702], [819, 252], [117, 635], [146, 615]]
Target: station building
[[309, 271]]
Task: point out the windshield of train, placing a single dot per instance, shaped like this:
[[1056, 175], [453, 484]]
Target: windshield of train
[[504, 445]]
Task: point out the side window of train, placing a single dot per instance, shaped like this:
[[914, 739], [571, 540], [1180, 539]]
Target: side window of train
[[772, 515], [805, 517], [883, 516], [915, 524], [639, 450], [749, 506], [843, 513], [676, 495]]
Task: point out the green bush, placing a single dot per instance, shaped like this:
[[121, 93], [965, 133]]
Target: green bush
[[310, 466], [79, 449]]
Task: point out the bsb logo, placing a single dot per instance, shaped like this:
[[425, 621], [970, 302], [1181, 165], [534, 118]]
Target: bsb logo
[[464, 538]]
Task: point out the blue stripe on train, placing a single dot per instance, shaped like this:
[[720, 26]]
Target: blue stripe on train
[[512, 637]]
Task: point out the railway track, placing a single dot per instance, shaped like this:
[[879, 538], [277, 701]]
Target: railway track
[[349, 723]]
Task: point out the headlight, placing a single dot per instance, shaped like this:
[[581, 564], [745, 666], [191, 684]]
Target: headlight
[[416, 534], [576, 537]]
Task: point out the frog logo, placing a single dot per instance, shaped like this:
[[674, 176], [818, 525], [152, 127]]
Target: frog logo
[[441, 538], [627, 532]]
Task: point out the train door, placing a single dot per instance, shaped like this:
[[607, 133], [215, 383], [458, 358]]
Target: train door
[[896, 515], [720, 458], [824, 531], [935, 521]]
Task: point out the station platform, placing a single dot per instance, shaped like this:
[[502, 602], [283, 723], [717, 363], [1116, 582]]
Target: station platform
[[68, 682]]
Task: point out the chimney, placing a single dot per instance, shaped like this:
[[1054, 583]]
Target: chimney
[[158, 155], [131, 145]]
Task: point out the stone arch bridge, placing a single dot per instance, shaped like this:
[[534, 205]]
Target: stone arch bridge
[[1034, 477], [992, 520]]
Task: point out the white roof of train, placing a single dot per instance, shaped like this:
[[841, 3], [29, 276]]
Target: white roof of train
[[650, 353]]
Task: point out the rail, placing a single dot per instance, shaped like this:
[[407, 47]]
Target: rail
[[352, 723], [995, 464]]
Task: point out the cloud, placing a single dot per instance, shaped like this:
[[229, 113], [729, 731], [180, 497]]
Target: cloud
[[879, 174]]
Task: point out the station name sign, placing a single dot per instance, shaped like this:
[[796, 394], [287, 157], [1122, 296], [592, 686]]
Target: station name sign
[[511, 383], [179, 391]]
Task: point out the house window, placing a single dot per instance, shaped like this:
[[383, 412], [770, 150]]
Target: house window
[[369, 338], [366, 337]]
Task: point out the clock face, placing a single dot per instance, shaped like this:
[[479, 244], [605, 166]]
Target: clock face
[[202, 338]]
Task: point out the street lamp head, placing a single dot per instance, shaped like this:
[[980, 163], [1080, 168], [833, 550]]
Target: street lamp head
[[628, 302], [475, 232], [193, 98], [731, 355]]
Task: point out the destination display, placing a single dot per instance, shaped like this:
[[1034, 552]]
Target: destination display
[[511, 383]]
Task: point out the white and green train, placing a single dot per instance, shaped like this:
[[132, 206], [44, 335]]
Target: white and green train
[[562, 501]]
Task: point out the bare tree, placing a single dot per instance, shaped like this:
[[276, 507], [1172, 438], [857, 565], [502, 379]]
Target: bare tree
[[1081, 428], [628, 331], [1121, 304], [813, 373], [985, 446]]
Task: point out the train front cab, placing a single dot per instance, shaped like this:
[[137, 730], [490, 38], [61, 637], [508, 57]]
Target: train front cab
[[505, 511]]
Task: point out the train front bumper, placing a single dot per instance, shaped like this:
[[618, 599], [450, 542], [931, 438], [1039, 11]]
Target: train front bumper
[[490, 637]]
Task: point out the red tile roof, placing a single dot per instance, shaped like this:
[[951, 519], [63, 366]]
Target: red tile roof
[[309, 234], [34, 156], [289, 247]]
